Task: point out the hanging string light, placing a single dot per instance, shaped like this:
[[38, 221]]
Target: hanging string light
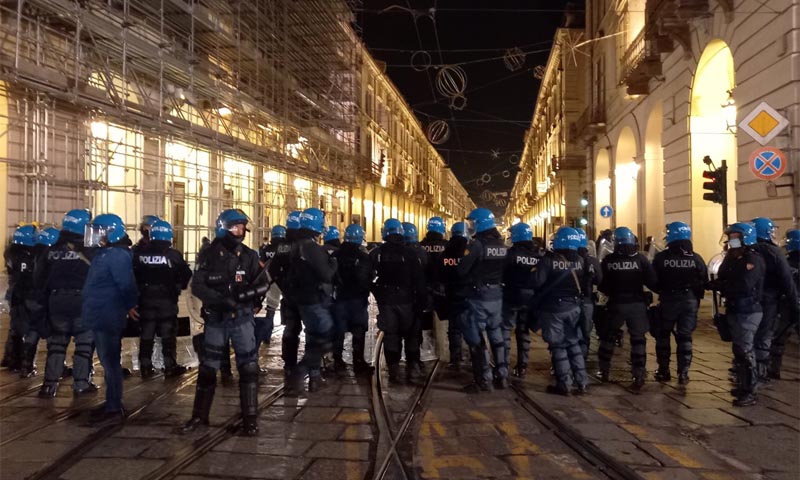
[[438, 132], [514, 59]]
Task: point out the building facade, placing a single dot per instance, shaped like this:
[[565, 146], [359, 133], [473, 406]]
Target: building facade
[[185, 108], [548, 189], [669, 82]]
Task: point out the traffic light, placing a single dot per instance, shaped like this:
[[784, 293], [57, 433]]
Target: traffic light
[[717, 191]]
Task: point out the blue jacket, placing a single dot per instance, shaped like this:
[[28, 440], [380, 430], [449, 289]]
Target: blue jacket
[[110, 289]]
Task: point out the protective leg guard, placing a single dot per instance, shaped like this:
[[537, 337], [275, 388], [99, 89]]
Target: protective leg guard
[[203, 398], [28, 368], [248, 397]]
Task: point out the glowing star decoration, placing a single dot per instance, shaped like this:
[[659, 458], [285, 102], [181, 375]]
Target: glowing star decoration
[[495, 154], [571, 43]]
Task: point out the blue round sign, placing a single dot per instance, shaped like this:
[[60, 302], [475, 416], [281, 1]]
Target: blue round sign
[[606, 211]]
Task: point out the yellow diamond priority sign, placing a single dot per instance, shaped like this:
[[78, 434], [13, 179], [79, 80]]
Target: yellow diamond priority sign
[[764, 123]]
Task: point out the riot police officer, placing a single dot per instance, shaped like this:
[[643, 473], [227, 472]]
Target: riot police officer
[[227, 281], [354, 278], [35, 304], [109, 298], [330, 239], [60, 276], [789, 316], [144, 229], [522, 258], [740, 280], [399, 290], [682, 276], [278, 269], [556, 281], [310, 285], [265, 325], [625, 272], [425, 310], [456, 289], [161, 274], [777, 282], [434, 244], [411, 237], [19, 264], [592, 276], [482, 268]]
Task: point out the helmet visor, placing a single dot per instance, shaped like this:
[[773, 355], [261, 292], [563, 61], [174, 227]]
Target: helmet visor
[[243, 219], [95, 235]]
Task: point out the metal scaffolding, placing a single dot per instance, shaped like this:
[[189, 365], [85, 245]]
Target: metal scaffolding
[[178, 107]]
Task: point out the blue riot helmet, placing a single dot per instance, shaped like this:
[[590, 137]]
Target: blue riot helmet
[[103, 230], [278, 231], [331, 234], [25, 236], [161, 231], [354, 234], [313, 219], [228, 219], [678, 231], [459, 229], [584, 239], [48, 237], [410, 233], [293, 220], [765, 228], [147, 223], [437, 225], [391, 226], [793, 240], [481, 219], [75, 221], [746, 231], [521, 232], [624, 236], [566, 238]]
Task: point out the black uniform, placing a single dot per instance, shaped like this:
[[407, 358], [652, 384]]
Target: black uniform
[[350, 307], [278, 269], [61, 277], [399, 290], [456, 290], [741, 281], [682, 276], [556, 281], [265, 325], [434, 244], [521, 260], [482, 268], [592, 276], [625, 273], [226, 269], [19, 265], [789, 320], [777, 282], [310, 286], [161, 274]]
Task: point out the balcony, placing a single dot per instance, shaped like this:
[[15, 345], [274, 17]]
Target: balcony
[[591, 123], [640, 63], [668, 21]]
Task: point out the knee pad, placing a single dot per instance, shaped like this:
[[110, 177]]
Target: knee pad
[[248, 372], [206, 376]]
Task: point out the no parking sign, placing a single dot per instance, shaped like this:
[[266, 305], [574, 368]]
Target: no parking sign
[[768, 163]]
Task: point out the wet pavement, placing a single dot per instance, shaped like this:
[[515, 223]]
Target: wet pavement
[[665, 431]]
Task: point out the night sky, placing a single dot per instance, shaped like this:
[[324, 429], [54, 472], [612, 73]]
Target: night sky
[[487, 135]]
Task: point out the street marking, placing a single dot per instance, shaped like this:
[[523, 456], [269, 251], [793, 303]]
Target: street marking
[[678, 455]]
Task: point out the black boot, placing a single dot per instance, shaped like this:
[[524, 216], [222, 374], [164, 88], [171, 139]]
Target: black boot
[[174, 371], [520, 371], [638, 383], [774, 369], [663, 374], [316, 383], [558, 389], [394, 374], [604, 375], [48, 391], [748, 379], [28, 368], [683, 377], [146, 358], [12, 358], [203, 398], [248, 398]]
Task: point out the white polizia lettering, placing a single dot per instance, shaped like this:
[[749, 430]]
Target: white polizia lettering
[[451, 262], [626, 265], [496, 252], [531, 261], [683, 263], [153, 260]]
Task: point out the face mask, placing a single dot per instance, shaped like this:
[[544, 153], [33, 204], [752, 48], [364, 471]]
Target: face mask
[[734, 243]]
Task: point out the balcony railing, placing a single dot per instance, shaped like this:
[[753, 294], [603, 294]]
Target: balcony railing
[[639, 64]]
